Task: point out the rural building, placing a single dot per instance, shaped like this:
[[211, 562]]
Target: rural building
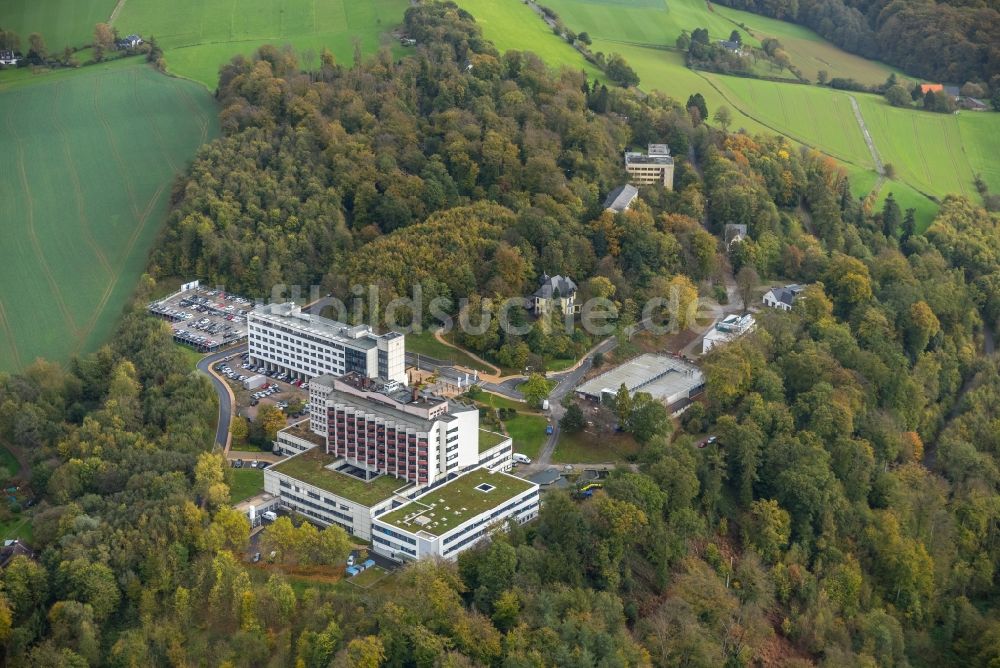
[[655, 167], [782, 298], [128, 42], [621, 198], [14, 548], [364, 453], [454, 517], [728, 329], [284, 338], [555, 291], [734, 234], [731, 46], [8, 58], [669, 379], [931, 88]]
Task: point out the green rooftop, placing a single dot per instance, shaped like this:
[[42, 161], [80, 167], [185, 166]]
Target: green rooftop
[[302, 430], [456, 502], [310, 468], [490, 439]]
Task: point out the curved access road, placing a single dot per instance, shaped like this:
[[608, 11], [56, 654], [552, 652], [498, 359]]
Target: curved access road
[[224, 393]]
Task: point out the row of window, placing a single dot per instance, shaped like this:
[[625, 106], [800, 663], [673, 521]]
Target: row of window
[[494, 515], [394, 534], [393, 547], [520, 517]]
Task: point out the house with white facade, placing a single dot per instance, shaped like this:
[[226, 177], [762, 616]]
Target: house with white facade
[[655, 167], [782, 298]]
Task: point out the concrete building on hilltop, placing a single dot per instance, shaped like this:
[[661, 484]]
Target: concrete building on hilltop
[[655, 167], [365, 453], [283, 337], [413, 437]]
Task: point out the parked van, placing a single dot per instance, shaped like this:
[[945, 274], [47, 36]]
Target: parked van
[[269, 515], [545, 404], [521, 459]]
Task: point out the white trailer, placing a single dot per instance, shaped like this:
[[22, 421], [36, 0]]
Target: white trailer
[[253, 382]]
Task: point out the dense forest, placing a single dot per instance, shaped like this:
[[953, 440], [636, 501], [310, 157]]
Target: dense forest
[[950, 41], [847, 515]]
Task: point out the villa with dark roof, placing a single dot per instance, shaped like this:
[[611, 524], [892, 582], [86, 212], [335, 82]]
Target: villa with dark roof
[[782, 298], [555, 291]]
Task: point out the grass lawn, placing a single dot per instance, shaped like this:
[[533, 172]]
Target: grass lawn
[[424, 343], [9, 461], [368, 577], [587, 447], [62, 23], [310, 468], [197, 36], [511, 24], [457, 501], [559, 364], [19, 526], [526, 429], [190, 354], [246, 483], [90, 157]]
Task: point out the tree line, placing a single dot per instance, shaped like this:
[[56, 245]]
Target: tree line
[[952, 41]]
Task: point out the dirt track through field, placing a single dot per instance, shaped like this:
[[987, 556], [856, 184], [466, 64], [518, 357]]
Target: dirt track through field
[[879, 168], [74, 178], [32, 235]]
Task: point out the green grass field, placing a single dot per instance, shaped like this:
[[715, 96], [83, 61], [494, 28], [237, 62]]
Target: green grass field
[[511, 24], [90, 156], [591, 448], [245, 484], [61, 23], [933, 154], [197, 36], [424, 343], [526, 429]]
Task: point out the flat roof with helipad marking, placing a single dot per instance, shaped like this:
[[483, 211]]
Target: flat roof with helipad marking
[[661, 376]]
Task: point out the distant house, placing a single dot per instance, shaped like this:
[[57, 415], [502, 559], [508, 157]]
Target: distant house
[[731, 46], [733, 234], [972, 104], [8, 58], [728, 329], [14, 548], [931, 88], [952, 91], [782, 298], [128, 42], [621, 198], [555, 291]]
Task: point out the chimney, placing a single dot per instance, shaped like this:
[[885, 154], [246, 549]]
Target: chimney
[[414, 394]]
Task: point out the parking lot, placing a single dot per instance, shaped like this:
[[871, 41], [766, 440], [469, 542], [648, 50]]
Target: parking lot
[[278, 388], [203, 318]]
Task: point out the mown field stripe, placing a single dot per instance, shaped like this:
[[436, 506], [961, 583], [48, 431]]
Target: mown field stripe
[[32, 234], [74, 178]]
